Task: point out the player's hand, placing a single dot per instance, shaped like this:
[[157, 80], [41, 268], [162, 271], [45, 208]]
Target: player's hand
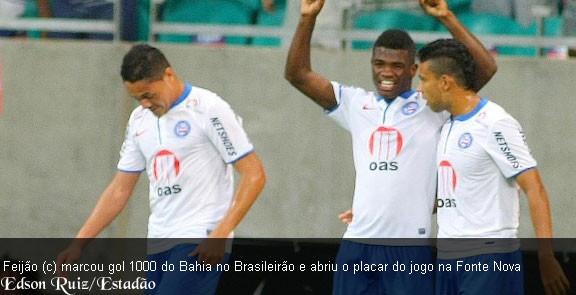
[[435, 8], [268, 6], [210, 251], [552, 275], [311, 7], [69, 256], [346, 216]]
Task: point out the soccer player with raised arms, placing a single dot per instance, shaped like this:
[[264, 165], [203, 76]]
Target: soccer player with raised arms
[[394, 135]]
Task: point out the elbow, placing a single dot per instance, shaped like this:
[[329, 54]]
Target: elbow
[[290, 76], [295, 77], [120, 198], [260, 178], [492, 69], [484, 76]]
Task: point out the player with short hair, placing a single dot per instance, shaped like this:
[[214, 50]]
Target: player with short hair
[[394, 136], [187, 139], [482, 158]]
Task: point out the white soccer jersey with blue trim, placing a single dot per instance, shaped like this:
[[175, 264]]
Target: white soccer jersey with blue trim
[[478, 157], [394, 149], [187, 154]]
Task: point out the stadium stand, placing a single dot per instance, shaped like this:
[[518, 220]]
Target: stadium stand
[[227, 12]]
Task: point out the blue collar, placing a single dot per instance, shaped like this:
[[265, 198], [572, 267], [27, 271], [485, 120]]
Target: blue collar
[[404, 95], [182, 97], [483, 102]]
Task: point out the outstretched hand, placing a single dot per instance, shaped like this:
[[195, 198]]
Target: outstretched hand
[[435, 8], [311, 7]]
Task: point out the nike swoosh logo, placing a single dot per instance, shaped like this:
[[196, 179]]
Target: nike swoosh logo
[[366, 107], [138, 133]]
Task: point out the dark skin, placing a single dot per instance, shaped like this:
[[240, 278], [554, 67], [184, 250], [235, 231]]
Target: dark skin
[[298, 70], [392, 71], [393, 67]]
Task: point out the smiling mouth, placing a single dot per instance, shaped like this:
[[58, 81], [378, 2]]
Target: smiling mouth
[[386, 85]]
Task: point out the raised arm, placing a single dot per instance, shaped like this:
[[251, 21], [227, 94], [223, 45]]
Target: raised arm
[[485, 63], [252, 181], [298, 70], [553, 278]]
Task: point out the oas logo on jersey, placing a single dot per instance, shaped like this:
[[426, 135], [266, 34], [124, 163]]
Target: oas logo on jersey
[[182, 128], [410, 108], [166, 167], [465, 140], [385, 143]]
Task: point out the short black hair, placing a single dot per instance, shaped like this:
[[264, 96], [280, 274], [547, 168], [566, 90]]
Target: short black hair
[[143, 62], [398, 40], [450, 57]]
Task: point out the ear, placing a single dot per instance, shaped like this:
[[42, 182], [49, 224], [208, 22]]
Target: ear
[[446, 82], [413, 69], [168, 73]]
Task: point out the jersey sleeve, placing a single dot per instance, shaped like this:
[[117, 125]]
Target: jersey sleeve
[[131, 158], [507, 146], [224, 129], [340, 113]]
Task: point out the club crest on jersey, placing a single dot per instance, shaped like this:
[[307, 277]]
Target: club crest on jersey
[[465, 140], [182, 128], [410, 108]]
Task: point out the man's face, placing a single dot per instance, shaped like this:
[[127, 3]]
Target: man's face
[[157, 96], [392, 71], [431, 88]]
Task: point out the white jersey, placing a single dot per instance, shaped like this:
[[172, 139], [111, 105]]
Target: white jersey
[[394, 155], [478, 157], [187, 154]]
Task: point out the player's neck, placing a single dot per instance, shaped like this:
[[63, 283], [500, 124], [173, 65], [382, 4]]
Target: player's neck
[[464, 102], [180, 87]]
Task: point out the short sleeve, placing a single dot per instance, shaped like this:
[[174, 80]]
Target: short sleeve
[[224, 129], [507, 146], [341, 112], [131, 158]]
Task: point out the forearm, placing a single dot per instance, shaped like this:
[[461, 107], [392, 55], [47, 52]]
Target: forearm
[[540, 214], [110, 204], [553, 278], [298, 61], [485, 63], [539, 209], [247, 192]]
